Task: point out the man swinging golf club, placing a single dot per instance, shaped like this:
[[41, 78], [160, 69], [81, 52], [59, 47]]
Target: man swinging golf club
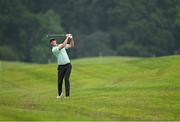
[[64, 65]]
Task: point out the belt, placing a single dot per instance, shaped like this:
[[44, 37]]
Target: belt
[[65, 64]]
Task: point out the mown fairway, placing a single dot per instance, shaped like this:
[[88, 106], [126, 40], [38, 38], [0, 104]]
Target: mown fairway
[[110, 88]]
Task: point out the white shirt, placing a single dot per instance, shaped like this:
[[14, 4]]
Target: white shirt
[[61, 54]]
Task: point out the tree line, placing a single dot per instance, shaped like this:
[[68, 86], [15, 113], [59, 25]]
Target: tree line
[[100, 27]]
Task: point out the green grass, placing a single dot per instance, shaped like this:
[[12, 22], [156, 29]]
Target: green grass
[[110, 88]]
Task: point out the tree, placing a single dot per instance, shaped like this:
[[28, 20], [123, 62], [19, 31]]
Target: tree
[[115, 27]]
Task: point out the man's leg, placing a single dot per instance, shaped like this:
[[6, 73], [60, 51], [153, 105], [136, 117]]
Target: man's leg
[[67, 82], [61, 73]]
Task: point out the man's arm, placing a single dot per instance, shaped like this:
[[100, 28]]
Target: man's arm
[[71, 42], [64, 43]]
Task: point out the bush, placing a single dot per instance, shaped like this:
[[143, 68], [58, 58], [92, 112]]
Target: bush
[[41, 54], [7, 53], [132, 49]]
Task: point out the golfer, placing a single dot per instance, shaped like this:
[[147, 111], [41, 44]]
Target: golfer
[[64, 64]]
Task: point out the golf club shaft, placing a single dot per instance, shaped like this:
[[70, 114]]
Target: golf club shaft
[[55, 35]]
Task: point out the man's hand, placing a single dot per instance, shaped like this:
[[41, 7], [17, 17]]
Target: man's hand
[[69, 35]]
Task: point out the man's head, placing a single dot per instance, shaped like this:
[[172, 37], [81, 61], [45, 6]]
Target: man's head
[[53, 42]]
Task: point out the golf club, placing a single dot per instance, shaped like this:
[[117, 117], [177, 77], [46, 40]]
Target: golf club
[[55, 35]]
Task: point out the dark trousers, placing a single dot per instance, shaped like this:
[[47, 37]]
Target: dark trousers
[[64, 72]]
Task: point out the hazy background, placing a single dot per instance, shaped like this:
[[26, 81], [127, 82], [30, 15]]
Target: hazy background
[[142, 28]]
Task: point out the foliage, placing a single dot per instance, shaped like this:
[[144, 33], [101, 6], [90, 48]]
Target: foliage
[[8, 53], [138, 28]]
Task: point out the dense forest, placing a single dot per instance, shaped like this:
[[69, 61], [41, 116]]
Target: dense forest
[[142, 28]]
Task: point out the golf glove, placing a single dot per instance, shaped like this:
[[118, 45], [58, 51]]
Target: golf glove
[[70, 37]]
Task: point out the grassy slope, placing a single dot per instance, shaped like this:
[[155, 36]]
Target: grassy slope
[[111, 88]]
